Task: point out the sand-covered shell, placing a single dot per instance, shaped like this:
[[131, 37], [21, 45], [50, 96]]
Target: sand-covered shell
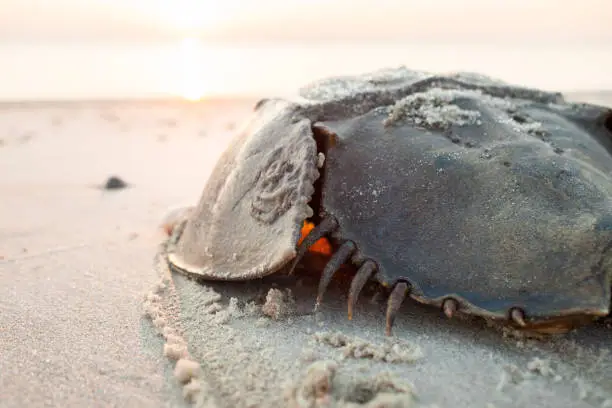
[[459, 190], [248, 220]]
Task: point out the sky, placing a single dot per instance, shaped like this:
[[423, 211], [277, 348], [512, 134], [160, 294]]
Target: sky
[[307, 20], [75, 49]]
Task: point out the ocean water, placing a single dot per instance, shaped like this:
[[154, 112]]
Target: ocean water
[[192, 69]]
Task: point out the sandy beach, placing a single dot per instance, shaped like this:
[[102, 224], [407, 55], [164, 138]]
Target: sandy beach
[[89, 316]]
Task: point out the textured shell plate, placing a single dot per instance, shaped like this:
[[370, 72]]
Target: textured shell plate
[[249, 216]]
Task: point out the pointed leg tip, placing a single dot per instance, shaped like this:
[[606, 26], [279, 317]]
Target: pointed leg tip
[[450, 307], [398, 294], [292, 267], [350, 308], [359, 280], [518, 316]]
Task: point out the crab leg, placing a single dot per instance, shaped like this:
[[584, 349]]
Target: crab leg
[[361, 277], [338, 258], [395, 301], [518, 316], [450, 307], [326, 226]]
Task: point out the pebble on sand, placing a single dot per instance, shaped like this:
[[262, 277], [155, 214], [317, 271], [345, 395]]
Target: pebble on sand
[[115, 183]]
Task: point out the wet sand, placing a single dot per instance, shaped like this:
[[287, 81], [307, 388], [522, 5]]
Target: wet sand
[[90, 317]]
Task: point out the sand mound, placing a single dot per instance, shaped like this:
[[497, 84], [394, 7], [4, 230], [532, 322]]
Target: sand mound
[[259, 344]]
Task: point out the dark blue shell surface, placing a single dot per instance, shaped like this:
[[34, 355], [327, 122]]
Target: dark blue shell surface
[[494, 195]]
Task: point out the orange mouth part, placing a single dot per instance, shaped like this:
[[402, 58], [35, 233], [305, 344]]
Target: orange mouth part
[[322, 246]]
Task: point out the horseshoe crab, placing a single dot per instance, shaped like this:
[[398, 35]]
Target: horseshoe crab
[[458, 190]]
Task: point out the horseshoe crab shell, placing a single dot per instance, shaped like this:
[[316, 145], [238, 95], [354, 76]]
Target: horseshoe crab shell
[[461, 191]]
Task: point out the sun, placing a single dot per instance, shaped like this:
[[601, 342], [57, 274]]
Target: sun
[[190, 19], [187, 22]]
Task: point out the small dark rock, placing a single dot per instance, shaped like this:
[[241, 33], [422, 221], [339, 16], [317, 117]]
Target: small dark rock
[[114, 183]]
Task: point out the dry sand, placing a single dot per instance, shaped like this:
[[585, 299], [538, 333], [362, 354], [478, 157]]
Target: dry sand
[[89, 316]]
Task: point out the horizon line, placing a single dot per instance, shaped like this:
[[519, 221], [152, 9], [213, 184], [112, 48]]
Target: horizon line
[[216, 98]]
